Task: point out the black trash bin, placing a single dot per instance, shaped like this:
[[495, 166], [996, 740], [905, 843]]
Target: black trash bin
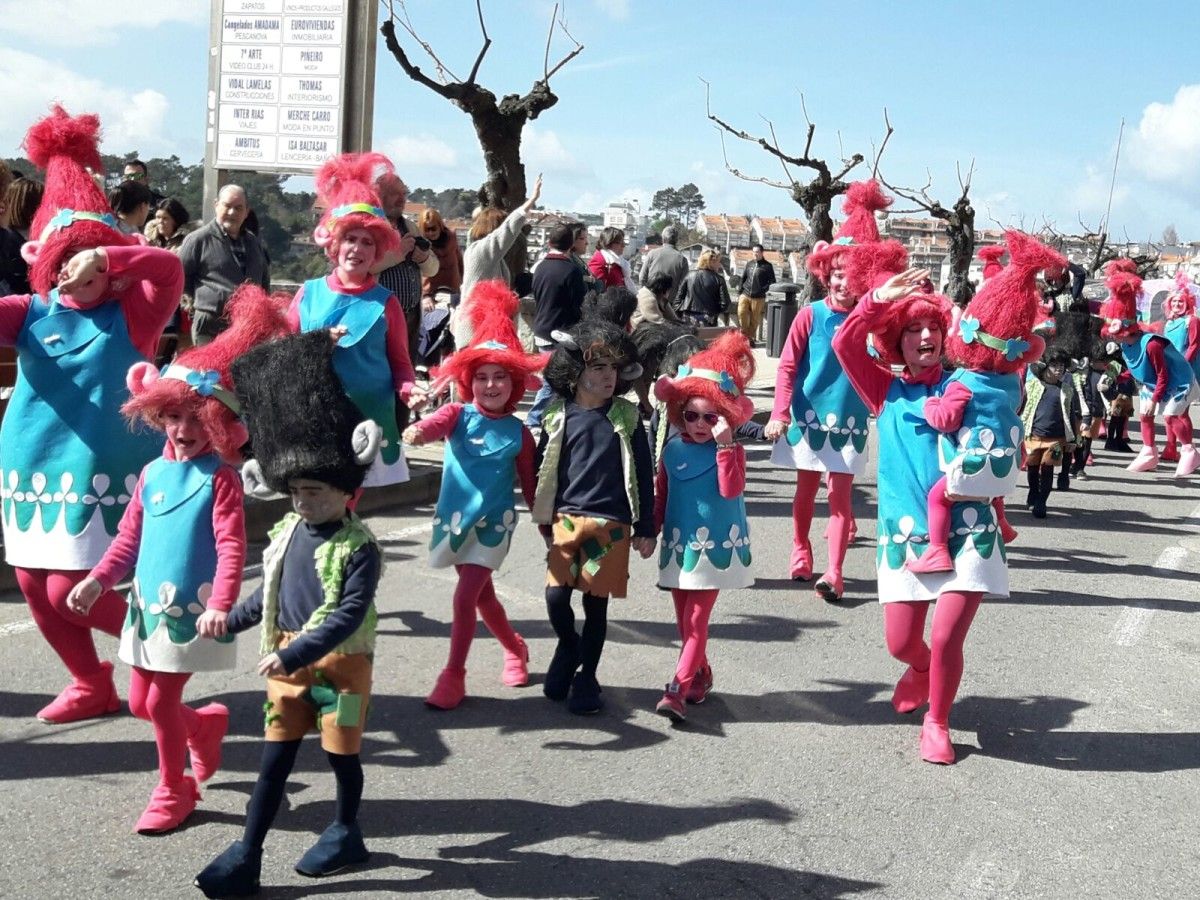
[[781, 309]]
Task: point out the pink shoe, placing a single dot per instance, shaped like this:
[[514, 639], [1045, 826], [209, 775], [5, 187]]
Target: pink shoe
[[450, 689], [802, 562], [701, 685], [1189, 461], [1170, 454], [169, 806], [205, 745], [912, 691], [829, 587], [671, 704], [1007, 532], [935, 743], [936, 558], [84, 698], [516, 665], [1146, 461], [1091, 460]]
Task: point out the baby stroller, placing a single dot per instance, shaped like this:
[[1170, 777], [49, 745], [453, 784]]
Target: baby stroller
[[434, 341]]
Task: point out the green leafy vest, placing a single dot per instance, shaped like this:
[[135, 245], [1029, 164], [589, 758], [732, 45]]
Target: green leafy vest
[[624, 418], [330, 559]]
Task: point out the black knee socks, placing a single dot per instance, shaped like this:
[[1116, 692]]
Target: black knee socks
[[595, 625], [277, 760], [595, 628], [347, 768]]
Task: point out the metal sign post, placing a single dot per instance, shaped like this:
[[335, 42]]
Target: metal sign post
[[290, 84]]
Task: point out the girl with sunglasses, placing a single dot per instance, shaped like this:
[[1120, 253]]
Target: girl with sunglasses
[[699, 505]]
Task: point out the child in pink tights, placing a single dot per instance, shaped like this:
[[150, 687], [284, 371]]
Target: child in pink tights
[[486, 448], [699, 506], [979, 450], [184, 536]]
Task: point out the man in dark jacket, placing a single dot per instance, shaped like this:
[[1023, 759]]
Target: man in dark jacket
[[217, 258], [666, 260], [558, 292], [757, 276]]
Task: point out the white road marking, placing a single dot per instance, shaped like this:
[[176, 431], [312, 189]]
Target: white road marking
[[411, 530], [1195, 513], [1171, 558], [1131, 626], [16, 628]]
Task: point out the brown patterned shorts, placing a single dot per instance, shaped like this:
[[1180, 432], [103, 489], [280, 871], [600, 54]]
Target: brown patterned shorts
[[589, 554]]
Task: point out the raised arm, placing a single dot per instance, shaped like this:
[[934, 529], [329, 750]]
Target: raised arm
[[152, 297]]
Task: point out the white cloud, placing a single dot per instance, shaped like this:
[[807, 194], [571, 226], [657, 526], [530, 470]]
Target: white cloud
[[424, 150], [544, 151], [91, 23], [1090, 196], [1166, 145], [616, 9], [132, 119]]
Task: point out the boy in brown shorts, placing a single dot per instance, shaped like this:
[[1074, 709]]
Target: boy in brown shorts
[[594, 499], [317, 600]]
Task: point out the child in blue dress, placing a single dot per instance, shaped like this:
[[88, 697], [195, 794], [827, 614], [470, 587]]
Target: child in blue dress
[[698, 503], [184, 536], [486, 448]]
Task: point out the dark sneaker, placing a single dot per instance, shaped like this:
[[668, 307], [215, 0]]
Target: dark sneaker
[[338, 847], [585, 699], [232, 874]]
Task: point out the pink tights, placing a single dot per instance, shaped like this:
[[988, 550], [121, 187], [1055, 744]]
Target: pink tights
[[158, 698], [904, 630], [840, 486], [1179, 428], [939, 512], [70, 635], [692, 611], [475, 593]]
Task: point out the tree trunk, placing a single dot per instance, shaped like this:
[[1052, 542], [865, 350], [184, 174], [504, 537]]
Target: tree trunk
[[500, 137], [817, 202]]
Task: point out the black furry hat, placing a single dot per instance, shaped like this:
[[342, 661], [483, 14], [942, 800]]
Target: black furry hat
[[591, 340], [615, 305], [301, 423], [1074, 332]]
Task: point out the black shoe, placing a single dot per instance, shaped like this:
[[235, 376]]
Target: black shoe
[[234, 873], [561, 671], [338, 847], [585, 699], [1064, 481]]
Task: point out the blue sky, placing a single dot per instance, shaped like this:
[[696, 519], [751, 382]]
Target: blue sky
[[1034, 92]]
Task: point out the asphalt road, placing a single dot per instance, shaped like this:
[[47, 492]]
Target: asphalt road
[[1075, 729]]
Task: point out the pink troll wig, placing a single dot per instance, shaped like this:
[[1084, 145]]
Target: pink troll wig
[[863, 200], [74, 214], [719, 374], [991, 255], [346, 190], [903, 313], [199, 379]]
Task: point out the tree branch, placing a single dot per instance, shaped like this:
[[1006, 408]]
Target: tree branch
[[745, 177], [557, 19], [966, 186], [449, 91], [406, 23], [886, 137], [775, 141], [487, 42], [804, 161]]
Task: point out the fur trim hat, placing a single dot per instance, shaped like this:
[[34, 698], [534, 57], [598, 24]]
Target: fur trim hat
[[302, 424], [592, 340], [995, 332], [1119, 312], [346, 189], [200, 379], [719, 374], [1074, 334], [863, 200], [903, 313], [494, 340], [990, 256], [74, 214]]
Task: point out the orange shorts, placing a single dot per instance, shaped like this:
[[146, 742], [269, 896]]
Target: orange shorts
[[591, 555], [330, 696], [1041, 451]]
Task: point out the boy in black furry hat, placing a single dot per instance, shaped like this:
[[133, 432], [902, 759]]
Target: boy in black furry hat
[[317, 600], [594, 499], [1051, 408]]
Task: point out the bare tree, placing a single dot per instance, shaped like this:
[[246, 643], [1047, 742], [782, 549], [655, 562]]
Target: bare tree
[[958, 221], [498, 124], [814, 196]]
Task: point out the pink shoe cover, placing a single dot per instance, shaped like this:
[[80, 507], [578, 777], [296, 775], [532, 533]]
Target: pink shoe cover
[[802, 563], [1145, 461], [936, 558], [84, 698], [829, 587], [516, 666], [912, 691], [450, 689], [935, 743], [1189, 461], [205, 745], [169, 807], [701, 685]]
